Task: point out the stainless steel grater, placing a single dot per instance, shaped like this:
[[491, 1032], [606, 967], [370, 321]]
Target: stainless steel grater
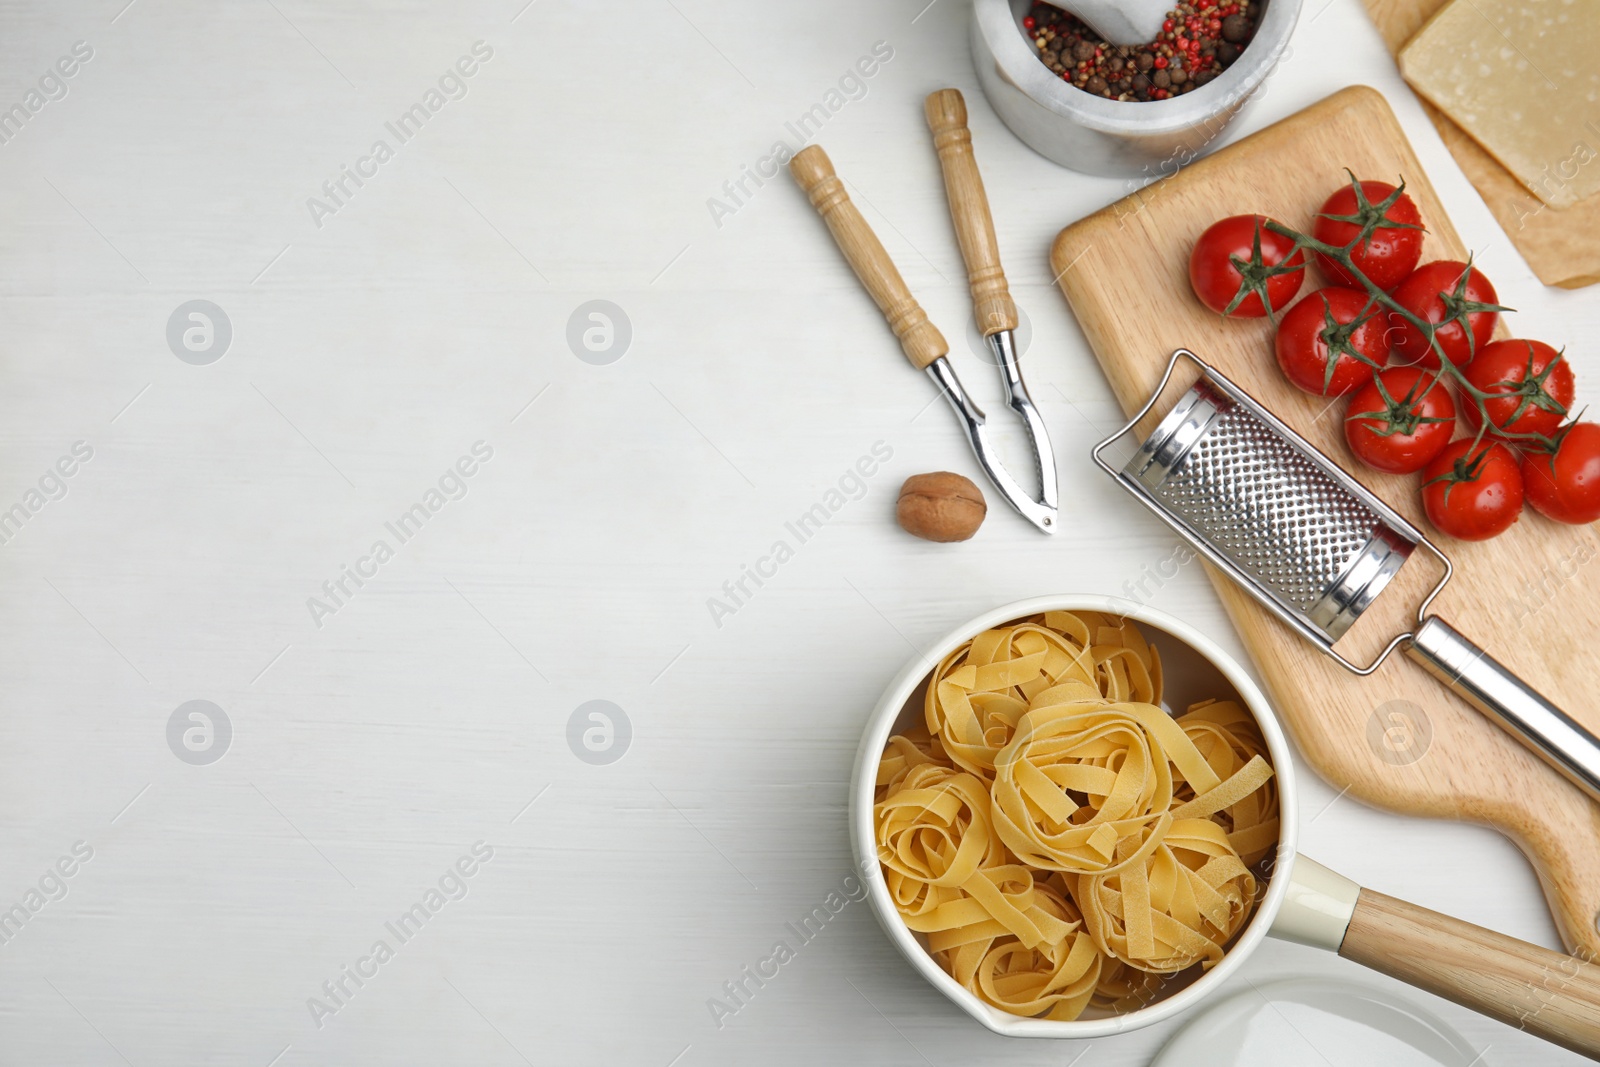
[[1317, 548]]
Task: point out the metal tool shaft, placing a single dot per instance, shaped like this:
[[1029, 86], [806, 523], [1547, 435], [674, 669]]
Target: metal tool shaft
[[1487, 685]]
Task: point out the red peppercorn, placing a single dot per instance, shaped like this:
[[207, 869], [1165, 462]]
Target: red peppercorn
[[1161, 62], [1029, 23], [1166, 27]]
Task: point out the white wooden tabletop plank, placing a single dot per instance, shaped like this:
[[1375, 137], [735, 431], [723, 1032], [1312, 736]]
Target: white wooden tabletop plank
[[376, 341]]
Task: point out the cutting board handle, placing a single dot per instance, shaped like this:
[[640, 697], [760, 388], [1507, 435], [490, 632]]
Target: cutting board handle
[[992, 306], [1548, 994], [919, 338]]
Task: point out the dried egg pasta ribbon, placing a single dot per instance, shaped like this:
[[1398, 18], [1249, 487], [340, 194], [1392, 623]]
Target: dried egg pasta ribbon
[[980, 691], [1178, 908], [1125, 988], [1118, 757], [1055, 979], [995, 901], [1231, 742], [914, 748], [934, 832], [945, 868]]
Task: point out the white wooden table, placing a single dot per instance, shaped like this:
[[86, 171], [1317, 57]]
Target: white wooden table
[[380, 338]]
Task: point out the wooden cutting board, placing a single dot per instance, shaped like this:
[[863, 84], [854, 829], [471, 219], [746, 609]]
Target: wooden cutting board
[[1397, 740], [1561, 245]]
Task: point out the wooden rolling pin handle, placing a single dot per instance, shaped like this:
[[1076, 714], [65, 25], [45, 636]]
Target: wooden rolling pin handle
[[921, 339], [1548, 994], [992, 306]]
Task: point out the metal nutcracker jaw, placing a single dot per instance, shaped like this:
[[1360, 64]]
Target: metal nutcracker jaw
[[1041, 511]]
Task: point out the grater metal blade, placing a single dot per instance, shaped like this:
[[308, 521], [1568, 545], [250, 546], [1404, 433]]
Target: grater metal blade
[[1312, 543], [1316, 547], [1316, 550]]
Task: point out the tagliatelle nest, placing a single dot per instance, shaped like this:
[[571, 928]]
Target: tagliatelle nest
[[1057, 837], [1084, 786], [1053, 978], [1178, 909], [934, 836], [981, 690]]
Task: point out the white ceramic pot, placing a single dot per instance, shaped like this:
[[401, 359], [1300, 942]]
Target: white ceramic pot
[[1544, 992]]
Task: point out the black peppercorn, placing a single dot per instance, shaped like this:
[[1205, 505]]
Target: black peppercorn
[[1235, 28]]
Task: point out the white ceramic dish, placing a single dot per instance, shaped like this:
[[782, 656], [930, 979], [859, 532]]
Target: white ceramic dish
[[1316, 1020]]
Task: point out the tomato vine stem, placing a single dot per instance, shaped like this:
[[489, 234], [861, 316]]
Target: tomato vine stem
[[1459, 309]]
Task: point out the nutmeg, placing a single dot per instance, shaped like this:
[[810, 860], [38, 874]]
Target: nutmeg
[[940, 507]]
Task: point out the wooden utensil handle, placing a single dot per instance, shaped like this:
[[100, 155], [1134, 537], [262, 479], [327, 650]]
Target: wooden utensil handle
[[921, 339], [992, 306], [1548, 994]]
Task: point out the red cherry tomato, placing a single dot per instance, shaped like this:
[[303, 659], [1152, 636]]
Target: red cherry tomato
[[1566, 486], [1238, 259], [1531, 383], [1473, 490], [1435, 293], [1341, 322], [1389, 253], [1400, 420]]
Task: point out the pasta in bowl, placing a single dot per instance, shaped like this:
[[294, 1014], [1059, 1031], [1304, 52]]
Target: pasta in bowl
[[1072, 819]]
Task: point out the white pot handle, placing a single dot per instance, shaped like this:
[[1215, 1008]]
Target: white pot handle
[[1318, 907]]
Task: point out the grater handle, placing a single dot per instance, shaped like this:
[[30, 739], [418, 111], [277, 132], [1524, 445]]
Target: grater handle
[[919, 338], [992, 307], [1550, 733]]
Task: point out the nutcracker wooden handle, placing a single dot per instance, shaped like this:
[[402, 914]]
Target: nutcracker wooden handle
[[1551, 995], [992, 307], [921, 339]]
